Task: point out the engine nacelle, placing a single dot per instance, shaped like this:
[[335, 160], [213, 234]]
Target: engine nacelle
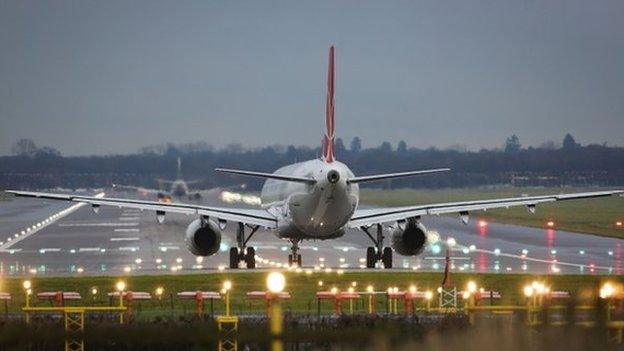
[[203, 240], [410, 240]]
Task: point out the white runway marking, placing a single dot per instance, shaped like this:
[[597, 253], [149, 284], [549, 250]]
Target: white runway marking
[[132, 224], [129, 248], [127, 230], [124, 239], [88, 249], [129, 218], [49, 250]]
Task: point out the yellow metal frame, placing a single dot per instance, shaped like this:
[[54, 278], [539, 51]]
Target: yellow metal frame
[[228, 326]]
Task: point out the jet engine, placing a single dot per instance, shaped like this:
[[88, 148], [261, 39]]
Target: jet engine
[[203, 238], [410, 239]]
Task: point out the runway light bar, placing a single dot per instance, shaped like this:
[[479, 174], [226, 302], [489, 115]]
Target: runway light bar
[[483, 223], [550, 224], [618, 224]]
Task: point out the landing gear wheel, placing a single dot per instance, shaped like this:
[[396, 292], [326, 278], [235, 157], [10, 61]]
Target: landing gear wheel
[[290, 260], [234, 258], [386, 257], [250, 257], [299, 261], [371, 257]]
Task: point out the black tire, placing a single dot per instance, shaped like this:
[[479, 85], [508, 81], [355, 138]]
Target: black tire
[[234, 258], [290, 260], [386, 257], [371, 257], [299, 261], [250, 258]]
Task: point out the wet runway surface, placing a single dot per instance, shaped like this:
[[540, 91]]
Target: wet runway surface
[[73, 240]]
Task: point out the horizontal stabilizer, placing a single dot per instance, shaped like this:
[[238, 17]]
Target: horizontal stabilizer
[[283, 177], [372, 178]]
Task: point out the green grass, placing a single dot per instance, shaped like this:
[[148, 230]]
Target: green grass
[[592, 216], [301, 286]]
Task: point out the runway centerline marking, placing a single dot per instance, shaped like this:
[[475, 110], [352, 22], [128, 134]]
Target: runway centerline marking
[[127, 230], [124, 239], [102, 224]]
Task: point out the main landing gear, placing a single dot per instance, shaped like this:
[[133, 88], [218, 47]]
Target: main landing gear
[[242, 253], [294, 258], [378, 252]]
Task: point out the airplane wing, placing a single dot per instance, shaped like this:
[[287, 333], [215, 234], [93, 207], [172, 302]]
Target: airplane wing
[[248, 216], [370, 216]]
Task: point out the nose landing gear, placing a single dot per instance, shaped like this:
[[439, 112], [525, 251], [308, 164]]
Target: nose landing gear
[[242, 253], [294, 258], [378, 252]]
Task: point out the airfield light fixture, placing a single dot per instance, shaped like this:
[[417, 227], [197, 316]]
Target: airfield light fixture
[[370, 289], [334, 290], [466, 295], [550, 224], [354, 284], [320, 283], [528, 291], [607, 291], [276, 282], [159, 291], [94, 291], [471, 287], [120, 286], [618, 224], [227, 285], [27, 284], [412, 289], [351, 290]]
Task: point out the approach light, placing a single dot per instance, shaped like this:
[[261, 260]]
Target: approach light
[[334, 290], [528, 291], [159, 291], [618, 224], [370, 289], [320, 283], [412, 289], [472, 287], [607, 291], [120, 286], [276, 282], [483, 223], [350, 290], [428, 295], [227, 285], [27, 284], [550, 224], [94, 290]]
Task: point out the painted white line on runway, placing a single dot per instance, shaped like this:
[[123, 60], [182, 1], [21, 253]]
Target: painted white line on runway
[[43, 224], [88, 249], [124, 239], [129, 248], [54, 249], [128, 218], [102, 224], [127, 230]]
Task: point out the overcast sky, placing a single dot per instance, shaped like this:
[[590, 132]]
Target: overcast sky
[[103, 77]]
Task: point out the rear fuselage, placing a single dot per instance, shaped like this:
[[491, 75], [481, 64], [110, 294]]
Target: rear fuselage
[[312, 211]]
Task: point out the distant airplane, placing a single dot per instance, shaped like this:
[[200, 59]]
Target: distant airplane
[[178, 189], [317, 200]]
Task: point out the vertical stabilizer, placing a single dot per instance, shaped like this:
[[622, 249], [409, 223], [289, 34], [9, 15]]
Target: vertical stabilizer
[[328, 139], [179, 176]]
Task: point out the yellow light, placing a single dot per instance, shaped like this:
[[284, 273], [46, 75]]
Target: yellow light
[[428, 295], [26, 284], [276, 282], [334, 290], [607, 291], [354, 284], [94, 291], [160, 290], [28, 291], [227, 285], [466, 295], [120, 286], [528, 291], [320, 283], [412, 289], [389, 290], [370, 289], [472, 287], [350, 290], [395, 290]]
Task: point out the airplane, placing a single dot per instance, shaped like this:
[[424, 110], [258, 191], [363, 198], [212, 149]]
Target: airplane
[[178, 188], [317, 200]]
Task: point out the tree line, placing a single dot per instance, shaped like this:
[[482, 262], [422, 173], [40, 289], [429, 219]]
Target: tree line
[[548, 165]]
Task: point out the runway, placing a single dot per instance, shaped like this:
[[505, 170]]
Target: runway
[[127, 241]]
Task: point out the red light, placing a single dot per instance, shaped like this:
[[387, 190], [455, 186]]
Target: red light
[[550, 224], [483, 223], [618, 223]]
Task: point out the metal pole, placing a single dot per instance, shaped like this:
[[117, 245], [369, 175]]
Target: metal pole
[[121, 319], [276, 327]]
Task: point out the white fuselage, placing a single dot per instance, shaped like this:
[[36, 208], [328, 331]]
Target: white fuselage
[[312, 211]]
